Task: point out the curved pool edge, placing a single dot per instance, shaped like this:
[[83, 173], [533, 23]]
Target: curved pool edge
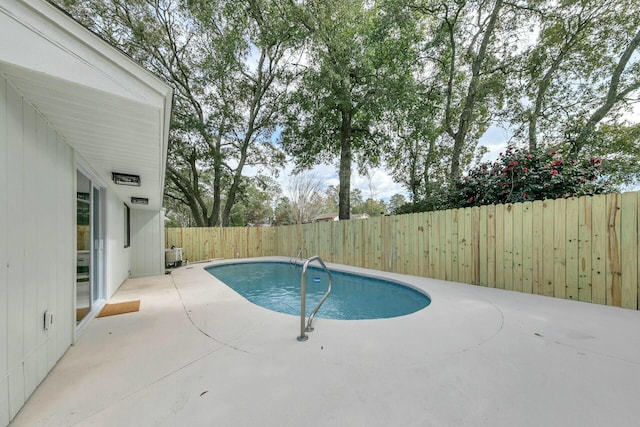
[[342, 268], [275, 285]]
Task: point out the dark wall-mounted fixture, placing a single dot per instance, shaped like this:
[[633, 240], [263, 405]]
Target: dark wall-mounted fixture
[[139, 201], [82, 196], [125, 179]]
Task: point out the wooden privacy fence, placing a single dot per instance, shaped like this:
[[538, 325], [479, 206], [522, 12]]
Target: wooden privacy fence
[[583, 248]]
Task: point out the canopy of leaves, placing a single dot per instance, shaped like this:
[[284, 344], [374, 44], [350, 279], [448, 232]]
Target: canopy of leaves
[[226, 63], [358, 63]]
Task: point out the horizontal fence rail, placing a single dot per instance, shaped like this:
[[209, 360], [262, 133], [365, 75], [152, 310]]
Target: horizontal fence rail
[[583, 248]]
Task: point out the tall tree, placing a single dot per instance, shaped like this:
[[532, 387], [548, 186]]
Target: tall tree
[[304, 194], [254, 202], [358, 58], [264, 48], [564, 32], [467, 53], [416, 157], [395, 202], [578, 71], [226, 64], [624, 81]]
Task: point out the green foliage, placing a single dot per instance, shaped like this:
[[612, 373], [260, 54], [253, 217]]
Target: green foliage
[[282, 213], [436, 198], [254, 205], [360, 58], [619, 148], [576, 72], [371, 207], [395, 202], [227, 64], [521, 175]]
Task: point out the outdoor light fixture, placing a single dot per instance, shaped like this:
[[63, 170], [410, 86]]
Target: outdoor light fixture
[[125, 179], [139, 201]]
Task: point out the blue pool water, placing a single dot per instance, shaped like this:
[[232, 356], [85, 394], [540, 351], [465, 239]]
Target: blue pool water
[[276, 286]]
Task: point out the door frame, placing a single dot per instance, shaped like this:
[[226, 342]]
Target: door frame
[[97, 246]]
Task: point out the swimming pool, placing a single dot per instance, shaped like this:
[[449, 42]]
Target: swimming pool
[[276, 286]]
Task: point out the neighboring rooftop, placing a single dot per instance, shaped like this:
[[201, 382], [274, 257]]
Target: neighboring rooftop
[[334, 216]]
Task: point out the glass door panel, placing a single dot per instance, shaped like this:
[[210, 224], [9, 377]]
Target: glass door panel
[[83, 249], [97, 247]]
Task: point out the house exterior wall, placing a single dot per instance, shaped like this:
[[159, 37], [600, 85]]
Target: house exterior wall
[[38, 247], [37, 175], [147, 242], [4, 280]]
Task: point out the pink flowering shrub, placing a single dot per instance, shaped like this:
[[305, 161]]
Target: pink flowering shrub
[[520, 175]]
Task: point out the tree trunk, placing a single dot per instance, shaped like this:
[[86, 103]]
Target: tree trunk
[[613, 96], [190, 194], [466, 116], [217, 186], [542, 91], [233, 190], [565, 49], [344, 194]]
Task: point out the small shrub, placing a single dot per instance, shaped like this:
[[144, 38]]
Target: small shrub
[[520, 175], [438, 197]]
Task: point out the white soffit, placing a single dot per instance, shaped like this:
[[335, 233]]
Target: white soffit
[[109, 109]]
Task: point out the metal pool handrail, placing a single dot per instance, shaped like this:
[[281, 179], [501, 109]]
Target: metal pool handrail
[[303, 297], [296, 257]]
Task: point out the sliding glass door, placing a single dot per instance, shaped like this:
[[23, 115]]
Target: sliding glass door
[[89, 248]]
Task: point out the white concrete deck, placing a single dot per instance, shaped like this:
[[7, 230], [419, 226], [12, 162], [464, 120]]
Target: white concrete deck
[[198, 354]]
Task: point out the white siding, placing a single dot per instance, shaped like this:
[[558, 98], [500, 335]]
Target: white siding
[[118, 262], [65, 260], [147, 246], [36, 248], [15, 248], [4, 283]]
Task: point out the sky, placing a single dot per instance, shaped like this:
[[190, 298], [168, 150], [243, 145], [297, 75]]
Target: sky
[[381, 183]]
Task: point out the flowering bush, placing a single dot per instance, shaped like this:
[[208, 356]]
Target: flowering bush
[[520, 175]]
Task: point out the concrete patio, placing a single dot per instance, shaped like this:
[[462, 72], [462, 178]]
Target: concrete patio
[[198, 354]]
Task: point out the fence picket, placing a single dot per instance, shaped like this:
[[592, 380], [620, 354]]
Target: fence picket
[[527, 247], [559, 248], [499, 263], [599, 251], [571, 241], [508, 248], [584, 249], [629, 250], [537, 248], [491, 246], [614, 291]]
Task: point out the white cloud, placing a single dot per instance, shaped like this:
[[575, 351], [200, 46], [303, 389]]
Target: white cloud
[[381, 183], [633, 114], [495, 139]]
